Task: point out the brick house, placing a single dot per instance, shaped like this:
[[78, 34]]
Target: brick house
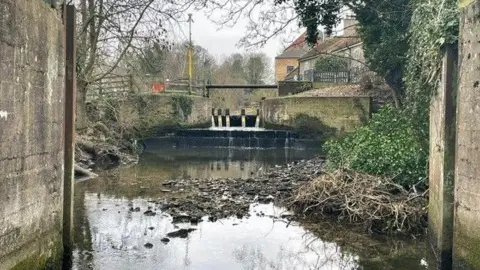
[[287, 62]]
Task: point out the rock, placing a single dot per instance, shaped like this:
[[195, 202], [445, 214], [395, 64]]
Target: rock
[[148, 245], [181, 218], [182, 233], [151, 228], [136, 209], [195, 220], [165, 240], [149, 213]]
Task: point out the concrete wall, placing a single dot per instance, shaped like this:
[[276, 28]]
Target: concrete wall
[[31, 133], [147, 112], [236, 99], [466, 246], [340, 113], [281, 65]]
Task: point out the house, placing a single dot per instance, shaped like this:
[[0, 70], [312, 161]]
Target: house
[[287, 62], [347, 47]]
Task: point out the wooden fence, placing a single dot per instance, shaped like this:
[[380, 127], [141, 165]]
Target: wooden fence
[[124, 85]]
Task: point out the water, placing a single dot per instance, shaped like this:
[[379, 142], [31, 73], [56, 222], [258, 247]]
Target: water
[[109, 236]]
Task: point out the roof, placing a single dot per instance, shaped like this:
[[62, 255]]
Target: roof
[[298, 42], [293, 53], [330, 46], [297, 48]]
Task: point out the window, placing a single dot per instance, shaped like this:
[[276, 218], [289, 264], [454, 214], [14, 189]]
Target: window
[[290, 69]]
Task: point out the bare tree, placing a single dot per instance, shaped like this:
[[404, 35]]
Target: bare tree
[[108, 30]]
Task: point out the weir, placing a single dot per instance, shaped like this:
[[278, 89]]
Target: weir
[[222, 119]]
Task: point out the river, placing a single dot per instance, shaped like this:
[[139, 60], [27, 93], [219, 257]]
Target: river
[[109, 235]]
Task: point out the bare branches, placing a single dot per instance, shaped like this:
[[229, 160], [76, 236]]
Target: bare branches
[[266, 19], [374, 202]]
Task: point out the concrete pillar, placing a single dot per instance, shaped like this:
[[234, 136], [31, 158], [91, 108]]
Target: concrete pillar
[[466, 245], [442, 166], [213, 117], [227, 118], [257, 119], [220, 124], [244, 118]]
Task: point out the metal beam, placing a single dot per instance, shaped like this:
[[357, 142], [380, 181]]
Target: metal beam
[[241, 86], [69, 141]]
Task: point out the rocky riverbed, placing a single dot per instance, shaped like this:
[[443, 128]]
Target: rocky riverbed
[[190, 199]]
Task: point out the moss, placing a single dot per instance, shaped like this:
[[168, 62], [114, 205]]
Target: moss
[[50, 259], [167, 127], [182, 107], [466, 250], [308, 127]]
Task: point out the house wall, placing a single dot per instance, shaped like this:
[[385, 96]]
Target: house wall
[[281, 67], [356, 53], [32, 87]]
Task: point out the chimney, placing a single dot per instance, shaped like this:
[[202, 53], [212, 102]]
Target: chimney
[[350, 26]]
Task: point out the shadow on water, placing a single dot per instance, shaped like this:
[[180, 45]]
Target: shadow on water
[[110, 236]]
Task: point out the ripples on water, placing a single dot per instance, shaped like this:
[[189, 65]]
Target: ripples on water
[[109, 236]]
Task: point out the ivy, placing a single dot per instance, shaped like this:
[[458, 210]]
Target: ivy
[[435, 23]]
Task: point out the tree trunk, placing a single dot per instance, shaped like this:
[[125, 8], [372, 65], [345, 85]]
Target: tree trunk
[[81, 107]]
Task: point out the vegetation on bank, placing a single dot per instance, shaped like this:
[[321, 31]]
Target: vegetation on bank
[[403, 42], [377, 175]]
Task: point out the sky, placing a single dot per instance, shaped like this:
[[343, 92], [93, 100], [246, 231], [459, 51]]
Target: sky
[[222, 41]]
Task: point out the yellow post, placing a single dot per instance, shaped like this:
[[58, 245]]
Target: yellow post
[[190, 53]]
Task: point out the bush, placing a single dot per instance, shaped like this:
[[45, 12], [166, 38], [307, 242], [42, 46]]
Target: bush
[[386, 146]]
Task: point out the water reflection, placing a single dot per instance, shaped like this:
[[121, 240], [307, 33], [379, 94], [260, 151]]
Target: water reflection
[[110, 236]]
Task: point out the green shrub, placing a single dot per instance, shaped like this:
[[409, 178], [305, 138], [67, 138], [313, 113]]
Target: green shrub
[[385, 146]]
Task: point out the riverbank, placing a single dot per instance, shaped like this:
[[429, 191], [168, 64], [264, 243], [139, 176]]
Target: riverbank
[[372, 204], [97, 152]]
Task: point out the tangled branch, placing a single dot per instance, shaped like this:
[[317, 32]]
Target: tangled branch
[[376, 203]]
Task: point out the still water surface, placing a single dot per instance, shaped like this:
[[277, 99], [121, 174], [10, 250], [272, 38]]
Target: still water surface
[[109, 236]]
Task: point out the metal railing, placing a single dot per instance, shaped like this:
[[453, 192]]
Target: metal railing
[[352, 75]]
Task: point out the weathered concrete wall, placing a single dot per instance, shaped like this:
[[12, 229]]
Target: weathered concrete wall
[[466, 246], [340, 113], [149, 111], [236, 99], [31, 131]]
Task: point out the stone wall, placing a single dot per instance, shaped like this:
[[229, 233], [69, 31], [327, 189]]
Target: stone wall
[[339, 113], [31, 133], [150, 112], [466, 246], [236, 99]]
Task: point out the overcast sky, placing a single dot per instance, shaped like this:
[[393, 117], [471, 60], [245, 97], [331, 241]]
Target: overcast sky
[[222, 41]]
